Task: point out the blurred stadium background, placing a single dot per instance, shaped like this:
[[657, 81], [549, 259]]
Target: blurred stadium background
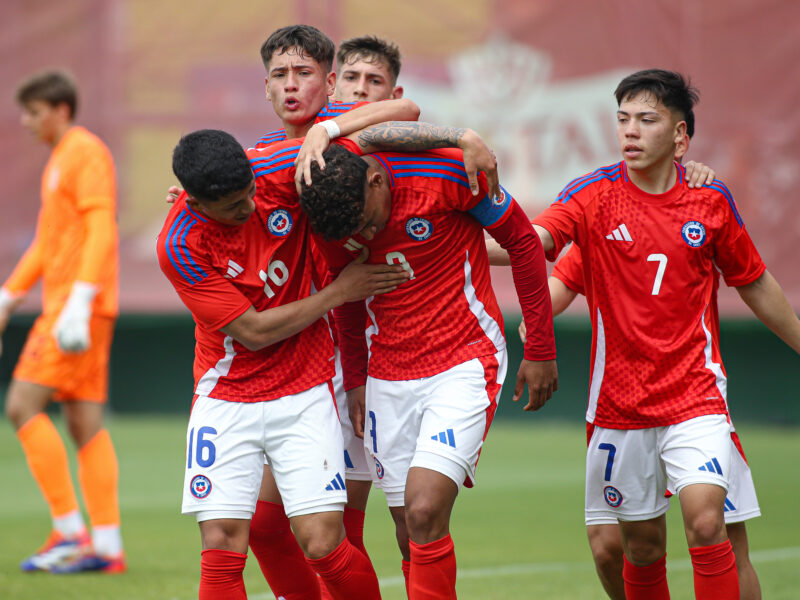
[[534, 77]]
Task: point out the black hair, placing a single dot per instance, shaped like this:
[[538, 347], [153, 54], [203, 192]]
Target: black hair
[[309, 40], [334, 202], [211, 164], [671, 88], [54, 87], [372, 49]]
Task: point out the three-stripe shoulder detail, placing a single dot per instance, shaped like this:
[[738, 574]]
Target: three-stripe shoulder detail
[[611, 173], [720, 187], [177, 250], [270, 162]]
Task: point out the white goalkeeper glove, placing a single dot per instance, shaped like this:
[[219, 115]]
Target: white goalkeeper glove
[[72, 326]]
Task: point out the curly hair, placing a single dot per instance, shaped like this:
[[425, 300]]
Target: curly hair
[[211, 164], [671, 88], [334, 202]]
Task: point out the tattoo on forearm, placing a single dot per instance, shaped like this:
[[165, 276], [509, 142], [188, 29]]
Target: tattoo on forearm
[[409, 136]]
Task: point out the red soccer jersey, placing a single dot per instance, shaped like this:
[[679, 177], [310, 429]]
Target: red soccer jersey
[[650, 275], [569, 269], [446, 313], [330, 111], [220, 271]]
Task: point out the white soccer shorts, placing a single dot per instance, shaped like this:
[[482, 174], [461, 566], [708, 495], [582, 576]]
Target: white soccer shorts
[[227, 442], [436, 422], [627, 470]]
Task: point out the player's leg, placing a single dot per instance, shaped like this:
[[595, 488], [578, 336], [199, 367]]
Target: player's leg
[[749, 586], [697, 455], [430, 497], [398, 514], [83, 394], [625, 480], [47, 459], [224, 467], [223, 558], [605, 541], [273, 544], [98, 475], [306, 455], [457, 407], [741, 504]]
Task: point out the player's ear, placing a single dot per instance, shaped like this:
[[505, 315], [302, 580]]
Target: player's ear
[[680, 132], [374, 178], [266, 86], [193, 203], [397, 92], [331, 82]]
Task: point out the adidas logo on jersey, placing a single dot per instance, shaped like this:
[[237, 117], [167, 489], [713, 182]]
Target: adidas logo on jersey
[[337, 483], [446, 437], [233, 270], [620, 234]]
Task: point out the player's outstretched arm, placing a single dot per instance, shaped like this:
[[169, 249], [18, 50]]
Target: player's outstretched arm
[[767, 301], [320, 135], [414, 137], [256, 330]]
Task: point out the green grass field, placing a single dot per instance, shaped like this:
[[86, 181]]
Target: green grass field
[[519, 533]]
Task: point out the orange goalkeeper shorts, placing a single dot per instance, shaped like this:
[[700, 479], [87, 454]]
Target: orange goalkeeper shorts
[[74, 376]]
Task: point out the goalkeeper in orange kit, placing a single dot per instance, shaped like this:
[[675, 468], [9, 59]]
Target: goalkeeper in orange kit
[[66, 355]]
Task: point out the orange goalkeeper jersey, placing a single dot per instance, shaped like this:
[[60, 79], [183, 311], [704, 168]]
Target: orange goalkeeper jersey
[[76, 234]]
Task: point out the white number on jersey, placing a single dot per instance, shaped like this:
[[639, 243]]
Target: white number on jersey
[[277, 273], [662, 266], [397, 258]]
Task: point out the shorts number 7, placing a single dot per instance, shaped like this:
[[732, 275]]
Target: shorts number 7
[[612, 450]]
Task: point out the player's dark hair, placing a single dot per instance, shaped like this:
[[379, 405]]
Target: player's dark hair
[[671, 88], [371, 49], [211, 164], [54, 87], [334, 202], [309, 41]]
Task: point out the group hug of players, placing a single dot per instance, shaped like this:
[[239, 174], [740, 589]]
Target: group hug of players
[[348, 335]]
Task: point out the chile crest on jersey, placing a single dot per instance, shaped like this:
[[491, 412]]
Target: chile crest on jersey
[[419, 229], [694, 233], [279, 222]]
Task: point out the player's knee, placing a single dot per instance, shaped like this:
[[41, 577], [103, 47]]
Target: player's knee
[[705, 529], [17, 410], [607, 559], [320, 543], [644, 551], [425, 519]]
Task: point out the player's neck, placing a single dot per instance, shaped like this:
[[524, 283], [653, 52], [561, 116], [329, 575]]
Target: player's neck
[[294, 131], [657, 179], [58, 133]]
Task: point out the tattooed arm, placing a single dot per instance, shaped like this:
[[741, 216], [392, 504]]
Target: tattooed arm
[[412, 136]]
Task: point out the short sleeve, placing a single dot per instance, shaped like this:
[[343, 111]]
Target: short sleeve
[[569, 270]]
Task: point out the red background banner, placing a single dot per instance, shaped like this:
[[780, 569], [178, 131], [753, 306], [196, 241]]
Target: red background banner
[[535, 78]]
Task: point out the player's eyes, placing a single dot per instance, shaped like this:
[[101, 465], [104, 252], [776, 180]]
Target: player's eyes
[[349, 78]]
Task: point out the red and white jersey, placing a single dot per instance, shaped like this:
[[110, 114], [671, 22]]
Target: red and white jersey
[[569, 269], [446, 313], [329, 111], [651, 267], [219, 271]]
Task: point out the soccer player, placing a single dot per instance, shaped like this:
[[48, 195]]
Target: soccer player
[[437, 356], [565, 283], [65, 358], [237, 251], [368, 68], [652, 249]]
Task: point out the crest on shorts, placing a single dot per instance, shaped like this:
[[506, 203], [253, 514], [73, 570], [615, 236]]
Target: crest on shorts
[[379, 468], [279, 222], [612, 495], [693, 233], [200, 486], [419, 229]]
